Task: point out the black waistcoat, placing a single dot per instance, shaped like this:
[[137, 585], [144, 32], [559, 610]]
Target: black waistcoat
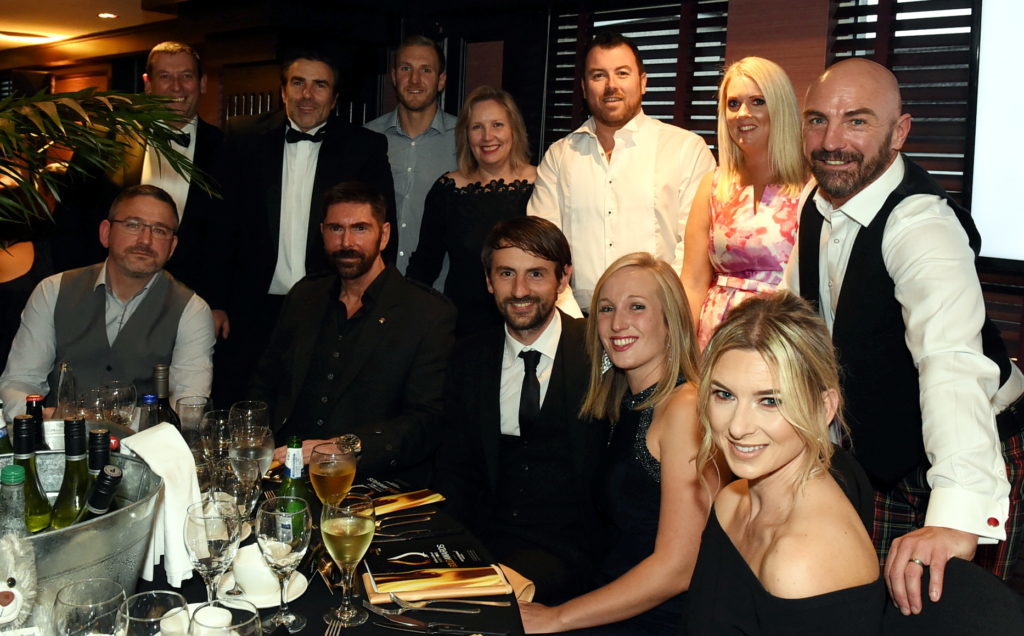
[[880, 380]]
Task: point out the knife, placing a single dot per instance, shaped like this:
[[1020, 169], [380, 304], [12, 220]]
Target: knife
[[410, 624]]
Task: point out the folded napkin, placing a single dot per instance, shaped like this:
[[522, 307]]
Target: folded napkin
[[164, 449]]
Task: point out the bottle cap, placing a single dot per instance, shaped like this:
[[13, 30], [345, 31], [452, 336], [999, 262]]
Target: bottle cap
[[12, 475], [149, 398], [74, 437], [24, 437], [33, 398]]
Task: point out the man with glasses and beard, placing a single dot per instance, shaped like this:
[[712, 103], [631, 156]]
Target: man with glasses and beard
[[932, 399], [359, 350], [519, 466]]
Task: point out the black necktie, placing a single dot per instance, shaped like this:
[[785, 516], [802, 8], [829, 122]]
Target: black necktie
[[183, 139], [294, 136], [529, 399]]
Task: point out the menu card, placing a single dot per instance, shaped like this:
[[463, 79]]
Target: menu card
[[441, 570]]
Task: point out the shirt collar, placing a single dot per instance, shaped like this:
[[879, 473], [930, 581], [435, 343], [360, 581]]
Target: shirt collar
[[311, 131], [439, 123], [370, 294], [101, 279], [546, 343], [632, 126], [864, 205]]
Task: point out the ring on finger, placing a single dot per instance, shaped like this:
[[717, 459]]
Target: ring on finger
[[917, 561]]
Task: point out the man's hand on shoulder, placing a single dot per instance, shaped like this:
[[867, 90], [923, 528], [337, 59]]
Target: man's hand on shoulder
[[933, 547]]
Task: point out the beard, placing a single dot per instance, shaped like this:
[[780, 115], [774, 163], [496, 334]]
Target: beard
[[525, 322], [349, 268], [842, 185], [630, 109], [138, 269]]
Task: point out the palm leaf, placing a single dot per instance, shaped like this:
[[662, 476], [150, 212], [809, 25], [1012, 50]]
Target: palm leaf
[[95, 127]]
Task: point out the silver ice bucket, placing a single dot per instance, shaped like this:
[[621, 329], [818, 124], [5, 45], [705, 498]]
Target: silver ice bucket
[[112, 546]]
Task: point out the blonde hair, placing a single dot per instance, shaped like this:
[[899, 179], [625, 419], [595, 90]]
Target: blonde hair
[[606, 390], [784, 140], [520, 153], [795, 344]]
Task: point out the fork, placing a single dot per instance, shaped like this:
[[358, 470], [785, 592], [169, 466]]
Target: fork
[[333, 629], [269, 495], [426, 604], [403, 608]]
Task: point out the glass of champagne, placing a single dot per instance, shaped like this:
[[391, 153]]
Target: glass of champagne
[[250, 433], [332, 469], [347, 530], [161, 613], [87, 607], [282, 531], [212, 533], [215, 433], [226, 618]]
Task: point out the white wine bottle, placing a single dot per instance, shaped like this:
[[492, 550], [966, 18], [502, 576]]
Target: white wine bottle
[[75, 486]]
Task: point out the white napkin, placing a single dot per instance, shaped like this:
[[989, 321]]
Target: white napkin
[[167, 454]]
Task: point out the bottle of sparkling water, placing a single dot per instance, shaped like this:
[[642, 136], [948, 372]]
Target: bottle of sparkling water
[[293, 485], [37, 507], [75, 487], [12, 501]]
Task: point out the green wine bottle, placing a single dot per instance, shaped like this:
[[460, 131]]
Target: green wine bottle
[[99, 451], [74, 489], [102, 495], [37, 507], [293, 485], [5, 439]]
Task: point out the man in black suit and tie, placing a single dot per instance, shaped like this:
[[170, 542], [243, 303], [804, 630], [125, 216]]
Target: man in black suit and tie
[[173, 70], [281, 165], [518, 464], [360, 350]]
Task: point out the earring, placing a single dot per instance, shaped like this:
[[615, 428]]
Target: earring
[[606, 362]]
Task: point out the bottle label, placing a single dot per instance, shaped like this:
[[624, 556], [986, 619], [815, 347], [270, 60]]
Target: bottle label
[[293, 462]]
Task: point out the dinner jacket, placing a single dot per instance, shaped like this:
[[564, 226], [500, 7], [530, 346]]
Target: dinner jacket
[[256, 156], [200, 260], [390, 389], [468, 460]]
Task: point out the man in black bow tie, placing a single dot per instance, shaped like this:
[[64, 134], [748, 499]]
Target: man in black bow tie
[[281, 165]]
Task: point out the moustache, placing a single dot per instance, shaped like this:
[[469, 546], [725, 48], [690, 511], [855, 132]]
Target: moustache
[[836, 155], [141, 249], [525, 299], [342, 254]]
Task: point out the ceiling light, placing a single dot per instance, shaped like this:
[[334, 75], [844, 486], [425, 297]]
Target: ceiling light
[[106, 15]]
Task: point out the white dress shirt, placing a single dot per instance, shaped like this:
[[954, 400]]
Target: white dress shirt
[[156, 171], [34, 349], [637, 202], [926, 252], [513, 369], [298, 171]]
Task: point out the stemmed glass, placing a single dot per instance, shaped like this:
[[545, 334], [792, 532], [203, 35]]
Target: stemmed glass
[[91, 405], [212, 532], [332, 469], [240, 478], [190, 412], [119, 403], [250, 433], [215, 433], [87, 607], [227, 617], [347, 530], [282, 532], [160, 613]]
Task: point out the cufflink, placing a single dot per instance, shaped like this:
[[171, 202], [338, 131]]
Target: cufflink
[[382, 320], [993, 522]]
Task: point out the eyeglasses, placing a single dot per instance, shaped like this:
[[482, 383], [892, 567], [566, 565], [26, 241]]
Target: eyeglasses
[[134, 226]]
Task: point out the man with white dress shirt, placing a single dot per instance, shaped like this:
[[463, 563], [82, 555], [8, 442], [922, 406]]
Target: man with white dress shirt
[[116, 319], [931, 396], [421, 137], [622, 182], [518, 465]]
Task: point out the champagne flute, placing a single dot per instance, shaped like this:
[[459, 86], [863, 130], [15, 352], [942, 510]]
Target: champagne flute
[[282, 531], [347, 530], [212, 533], [215, 433], [160, 613], [332, 469], [226, 618], [250, 433], [87, 607]]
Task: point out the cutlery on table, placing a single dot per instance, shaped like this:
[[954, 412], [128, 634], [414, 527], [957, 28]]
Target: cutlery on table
[[415, 625], [422, 604]]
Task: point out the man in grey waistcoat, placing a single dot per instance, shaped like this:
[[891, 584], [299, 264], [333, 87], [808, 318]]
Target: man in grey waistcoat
[[115, 320]]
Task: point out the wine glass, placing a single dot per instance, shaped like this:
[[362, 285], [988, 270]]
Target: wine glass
[[91, 405], [250, 433], [161, 613], [190, 412], [240, 478], [282, 531], [226, 617], [87, 607], [332, 469], [215, 433], [347, 529], [119, 402], [212, 533]]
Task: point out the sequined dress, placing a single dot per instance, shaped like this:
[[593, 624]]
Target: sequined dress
[[748, 248], [633, 503]]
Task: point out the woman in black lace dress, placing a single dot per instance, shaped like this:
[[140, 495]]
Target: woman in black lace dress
[[493, 183], [641, 335]]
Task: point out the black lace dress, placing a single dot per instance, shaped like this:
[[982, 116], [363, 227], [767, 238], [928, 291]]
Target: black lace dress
[[455, 222]]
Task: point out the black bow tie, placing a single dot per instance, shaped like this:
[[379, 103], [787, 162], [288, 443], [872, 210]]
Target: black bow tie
[[294, 136], [183, 139]]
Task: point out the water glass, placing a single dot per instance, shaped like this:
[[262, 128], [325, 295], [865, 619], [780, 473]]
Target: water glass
[[215, 433], [283, 527], [190, 412], [161, 613], [87, 607], [226, 618], [212, 533], [250, 433]]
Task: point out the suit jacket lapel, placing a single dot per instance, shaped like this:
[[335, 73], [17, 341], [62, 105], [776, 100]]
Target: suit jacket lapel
[[305, 340], [273, 162], [328, 167], [490, 407], [571, 371]]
